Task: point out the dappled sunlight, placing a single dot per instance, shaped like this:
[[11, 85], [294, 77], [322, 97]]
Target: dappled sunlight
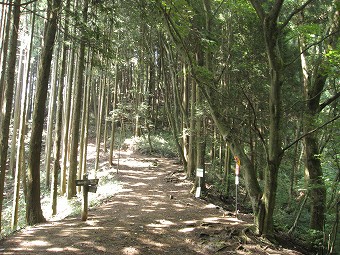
[[161, 224], [139, 184], [151, 242], [55, 249], [36, 243], [179, 205], [148, 210], [130, 251], [134, 163], [143, 178], [185, 230]]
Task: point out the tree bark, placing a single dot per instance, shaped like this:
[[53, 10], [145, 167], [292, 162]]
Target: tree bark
[[6, 107], [33, 205], [58, 125], [4, 50], [71, 187]]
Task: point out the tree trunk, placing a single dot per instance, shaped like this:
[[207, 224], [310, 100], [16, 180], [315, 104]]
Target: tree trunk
[[71, 187], [114, 106], [314, 82], [58, 125], [51, 114], [20, 162], [192, 136], [86, 118], [33, 206], [67, 108], [6, 107], [4, 50], [101, 95], [16, 121]]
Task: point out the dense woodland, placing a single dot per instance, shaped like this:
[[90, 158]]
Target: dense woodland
[[256, 79]]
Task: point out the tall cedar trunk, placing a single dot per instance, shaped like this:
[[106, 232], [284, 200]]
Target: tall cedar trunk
[[4, 53], [58, 125], [67, 107], [114, 106], [192, 138], [101, 94], [185, 107], [71, 187], [6, 107], [84, 123], [33, 206], [20, 162], [86, 117], [16, 151], [16, 120], [51, 114], [66, 130]]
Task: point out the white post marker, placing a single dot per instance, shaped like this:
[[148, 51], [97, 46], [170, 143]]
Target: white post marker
[[237, 180], [199, 174]]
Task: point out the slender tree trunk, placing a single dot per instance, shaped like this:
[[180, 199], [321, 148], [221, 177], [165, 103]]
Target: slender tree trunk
[[33, 206], [20, 115], [84, 123], [16, 121], [71, 187], [102, 86], [66, 129], [6, 107], [51, 114], [59, 118], [192, 138], [67, 108], [20, 162], [4, 51], [114, 106], [86, 116]]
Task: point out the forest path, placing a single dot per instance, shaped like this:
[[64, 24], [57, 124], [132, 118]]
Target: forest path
[[153, 213]]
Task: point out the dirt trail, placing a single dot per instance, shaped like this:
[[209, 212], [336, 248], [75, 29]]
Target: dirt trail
[[153, 213]]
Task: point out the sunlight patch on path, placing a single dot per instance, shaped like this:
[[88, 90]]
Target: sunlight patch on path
[[130, 251]]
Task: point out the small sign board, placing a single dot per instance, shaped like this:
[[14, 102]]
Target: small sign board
[[199, 172], [237, 180], [237, 169], [198, 192], [87, 182], [93, 188]]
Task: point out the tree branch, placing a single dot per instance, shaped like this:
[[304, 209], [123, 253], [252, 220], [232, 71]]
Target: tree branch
[[329, 101], [275, 11], [258, 8], [255, 122], [297, 10], [308, 133], [311, 45]]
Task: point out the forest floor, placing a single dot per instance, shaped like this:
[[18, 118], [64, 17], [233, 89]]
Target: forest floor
[[152, 212]]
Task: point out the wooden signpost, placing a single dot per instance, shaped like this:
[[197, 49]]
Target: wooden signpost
[[89, 185], [199, 174]]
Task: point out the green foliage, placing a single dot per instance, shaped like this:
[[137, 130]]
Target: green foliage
[[163, 145], [333, 59]]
